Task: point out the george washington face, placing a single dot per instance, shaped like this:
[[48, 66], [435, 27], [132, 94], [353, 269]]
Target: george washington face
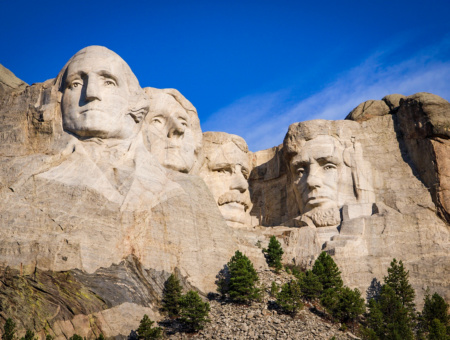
[[96, 97]]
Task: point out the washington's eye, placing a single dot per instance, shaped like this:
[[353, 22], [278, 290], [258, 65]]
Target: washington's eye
[[329, 166], [110, 82], [75, 84]]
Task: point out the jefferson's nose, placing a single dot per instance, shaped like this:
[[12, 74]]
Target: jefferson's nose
[[238, 181], [92, 90], [176, 129]]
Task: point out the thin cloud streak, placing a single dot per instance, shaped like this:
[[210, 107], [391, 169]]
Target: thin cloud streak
[[262, 120]]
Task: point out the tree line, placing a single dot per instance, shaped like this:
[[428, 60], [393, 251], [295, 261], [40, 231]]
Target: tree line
[[390, 313]]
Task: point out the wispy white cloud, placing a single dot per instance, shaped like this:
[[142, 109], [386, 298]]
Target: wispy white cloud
[[263, 119]]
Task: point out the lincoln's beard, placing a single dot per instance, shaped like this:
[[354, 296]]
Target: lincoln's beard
[[325, 217]]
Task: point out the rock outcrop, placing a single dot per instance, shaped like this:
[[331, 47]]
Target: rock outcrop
[[107, 188]]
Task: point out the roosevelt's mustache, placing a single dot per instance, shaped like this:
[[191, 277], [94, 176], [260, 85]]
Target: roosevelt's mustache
[[237, 197]]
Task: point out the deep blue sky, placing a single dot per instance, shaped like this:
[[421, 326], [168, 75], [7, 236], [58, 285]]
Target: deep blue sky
[[250, 67]]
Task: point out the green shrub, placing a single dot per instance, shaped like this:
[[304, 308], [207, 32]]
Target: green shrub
[[193, 311], [289, 298], [243, 279], [274, 253], [171, 296], [146, 330]]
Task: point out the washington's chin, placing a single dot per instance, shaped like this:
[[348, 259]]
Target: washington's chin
[[173, 160], [233, 213]]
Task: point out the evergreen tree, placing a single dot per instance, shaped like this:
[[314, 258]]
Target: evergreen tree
[[193, 311], [274, 289], [289, 298], [346, 304], [9, 330], [438, 331], [310, 285], [243, 278], [327, 272], [171, 296], [397, 279], [274, 254], [29, 335], [49, 337], [100, 337], [389, 318], [146, 330], [75, 337], [434, 307]]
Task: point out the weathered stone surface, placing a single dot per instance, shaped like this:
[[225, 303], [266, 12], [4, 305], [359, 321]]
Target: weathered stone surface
[[105, 190], [424, 120], [77, 194], [9, 82]]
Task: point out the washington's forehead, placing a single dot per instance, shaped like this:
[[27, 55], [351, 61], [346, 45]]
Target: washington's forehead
[[94, 63]]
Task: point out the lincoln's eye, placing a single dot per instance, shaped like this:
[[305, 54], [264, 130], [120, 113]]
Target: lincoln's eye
[[300, 171], [329, 166]]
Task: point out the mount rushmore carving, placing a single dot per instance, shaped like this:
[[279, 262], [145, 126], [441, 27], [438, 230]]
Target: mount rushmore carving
[[117, 186]]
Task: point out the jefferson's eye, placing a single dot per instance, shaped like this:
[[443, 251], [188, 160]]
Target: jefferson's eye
[[110, 82], [245, 174], [300, 171]]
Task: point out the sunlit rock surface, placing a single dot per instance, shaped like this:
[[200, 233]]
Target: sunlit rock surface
[[96, 214]]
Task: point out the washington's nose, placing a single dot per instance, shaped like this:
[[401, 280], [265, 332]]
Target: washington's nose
[[92, 90], [176, 129], [238, 181]]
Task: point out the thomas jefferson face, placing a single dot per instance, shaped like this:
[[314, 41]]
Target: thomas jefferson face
[[226, 177], [321, 179], [170, 135], [95, 100]]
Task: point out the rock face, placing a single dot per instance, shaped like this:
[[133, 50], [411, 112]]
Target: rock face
[[107, 188]]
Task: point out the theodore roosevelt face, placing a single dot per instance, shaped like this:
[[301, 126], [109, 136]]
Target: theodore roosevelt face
[[227, 177], [95, 101]]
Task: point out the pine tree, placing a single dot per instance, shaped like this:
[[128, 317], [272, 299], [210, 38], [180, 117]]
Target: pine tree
[[397, 279], [146, 330], [310, 285], [274, 289], [193, 311], [9, 330], [434, 307], [274, 254], [389, 318], [29, 335], [289, 298], [243, 278], [327, 272], [347, 304], [75, 337], [438, 331], [171, 296]]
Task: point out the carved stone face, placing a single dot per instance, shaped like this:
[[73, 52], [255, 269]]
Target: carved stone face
[[95, 101], [321, 179], [226, 176], [170, 136]]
